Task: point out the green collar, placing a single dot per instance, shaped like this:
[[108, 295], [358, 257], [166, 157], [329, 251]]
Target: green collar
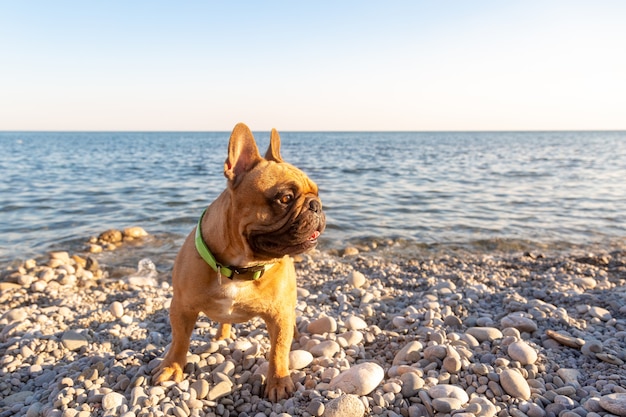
[[255, 272]]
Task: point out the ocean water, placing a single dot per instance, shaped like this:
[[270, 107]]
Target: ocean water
[[483, 191]]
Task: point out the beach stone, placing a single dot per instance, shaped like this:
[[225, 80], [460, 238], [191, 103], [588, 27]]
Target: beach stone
[[93, 248], [72, 340], [349, 338], [486, 407], [411, 384], [356, 279], [614, 403], [5, 286], [409, 353], [111, 236], [17, 398], [609, 358], [521, 323], [15, 315], [137, 395], [135, 232], [315, 408], [350, 251], [326, 349], [322, 325], [569, 376], [522, 352], [483, 334], [587, 283], [219, 390], [514, 384], [355, 323], [600, 313], [446, 404], [117, 309], [34, 410], [25, 280], [62, 256], [535, 411], [432, 353], [448, 391], [360, 379], [299, 359], [201, 387], [591, 347], [344, 406], [112, 400]]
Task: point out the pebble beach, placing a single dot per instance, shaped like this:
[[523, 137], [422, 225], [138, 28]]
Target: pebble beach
[[443, 334]]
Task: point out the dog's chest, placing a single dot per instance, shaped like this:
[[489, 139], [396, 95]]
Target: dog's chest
[[224, 304]]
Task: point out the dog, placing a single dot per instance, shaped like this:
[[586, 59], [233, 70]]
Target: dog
[[236, 264]]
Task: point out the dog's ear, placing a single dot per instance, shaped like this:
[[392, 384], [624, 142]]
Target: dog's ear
[[243, 153], [273, 151]]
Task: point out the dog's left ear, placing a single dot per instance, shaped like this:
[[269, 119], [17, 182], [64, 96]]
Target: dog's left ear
[[243, 154], [273, 151]]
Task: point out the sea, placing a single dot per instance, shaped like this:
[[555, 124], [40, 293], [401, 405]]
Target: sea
[[400, 193]]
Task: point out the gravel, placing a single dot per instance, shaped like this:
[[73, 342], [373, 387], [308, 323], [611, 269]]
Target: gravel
[[495, 334]]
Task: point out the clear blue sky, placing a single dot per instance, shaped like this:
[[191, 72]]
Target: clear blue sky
[[315, 65]]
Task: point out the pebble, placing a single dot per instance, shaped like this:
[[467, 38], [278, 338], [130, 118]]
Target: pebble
[[17, 398], [112, 400], [117, 309], [201, 388], [520, 322], [514, 384], [446, 404], [345, 406], [360, 379], [316, 408], [483, 334], [409, 353], [411, 384], [600, 313], [356, 279], [327, 349], [569, 376], [448, 391], [614, 403], [485, 408], [219, 390], [299, 359], [355, 323], [322, 325], [73, 340], [134, 232], [522, 352]]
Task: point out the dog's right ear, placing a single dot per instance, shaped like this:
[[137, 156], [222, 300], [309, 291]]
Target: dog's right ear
[[243, 154]]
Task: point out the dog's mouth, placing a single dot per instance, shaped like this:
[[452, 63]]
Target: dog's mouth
[[295, 240]]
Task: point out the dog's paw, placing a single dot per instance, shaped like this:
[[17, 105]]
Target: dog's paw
[[167, 372], [278, 389]]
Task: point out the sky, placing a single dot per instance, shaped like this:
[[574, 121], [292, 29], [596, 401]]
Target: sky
[[313, 66]]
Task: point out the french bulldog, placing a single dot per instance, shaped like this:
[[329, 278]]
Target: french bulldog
[[236, 264]]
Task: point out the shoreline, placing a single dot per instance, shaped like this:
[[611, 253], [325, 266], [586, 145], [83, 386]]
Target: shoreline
[[506, 334]]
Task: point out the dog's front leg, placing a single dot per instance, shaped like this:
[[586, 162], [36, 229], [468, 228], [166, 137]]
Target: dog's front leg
[[182, 321], [279, 384]]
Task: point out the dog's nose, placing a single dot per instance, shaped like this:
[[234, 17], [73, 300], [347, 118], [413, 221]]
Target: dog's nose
[[315, 206]]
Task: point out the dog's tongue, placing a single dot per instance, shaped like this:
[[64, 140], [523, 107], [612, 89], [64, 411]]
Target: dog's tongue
[[315, 235]]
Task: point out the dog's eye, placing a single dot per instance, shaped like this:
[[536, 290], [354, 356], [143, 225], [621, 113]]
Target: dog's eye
[[285, 198]]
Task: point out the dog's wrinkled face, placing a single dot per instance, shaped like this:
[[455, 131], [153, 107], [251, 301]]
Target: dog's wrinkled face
[[282, 214], [276, 204]]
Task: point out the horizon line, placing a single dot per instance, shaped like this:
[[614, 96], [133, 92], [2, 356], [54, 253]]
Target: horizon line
[[312, 131]]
